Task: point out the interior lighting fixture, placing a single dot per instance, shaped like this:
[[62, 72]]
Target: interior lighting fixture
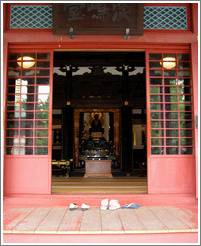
[[169, 62], [26, 62]]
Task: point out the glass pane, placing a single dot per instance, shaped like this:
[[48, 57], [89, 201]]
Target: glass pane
[[157, 133], [156, 89], [169, 55], [27, 98], [186, 133], [14, 98], [14, 73], [156, 115], [11, 90], [43, 64], [12, 141], [12, 133], [12, 115], [155, 81], [186, 150], [171, 124], [26, 141], [12, 81], [13, 106], [183, 57], [170, 73], [27, 89], [42, 89], [155, 73], [185, 98], [43, 72], [41, 142], [155, 64], [157, 151], [156, 98], [12, 151], [171, 90], [26, 133], [33, 55], [28, 72], [41, 151], [42, 115], [12, 124], [42, 106], [42, 98], [27, 115], [156, 106], [186, 124], [172, 142], [172, 133], [186, 141], [171, 98], [157, 124], [41, 123], [184, 90], [27, 106], [171, 107], [13, 65], [42, 81], [155, 56], [184, 82], [183, 65], [157, 141], [41, 133], [170, 81], [14, 56], [26, 150], [185, 116], [172, 151], [26, 124], [41, 56], [171, 115], [28, 81], [184, 73]]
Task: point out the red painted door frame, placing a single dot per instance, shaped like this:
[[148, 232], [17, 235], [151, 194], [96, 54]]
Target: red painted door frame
[[95, 46]]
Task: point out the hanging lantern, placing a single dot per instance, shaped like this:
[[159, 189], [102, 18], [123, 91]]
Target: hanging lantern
[[26, 62]]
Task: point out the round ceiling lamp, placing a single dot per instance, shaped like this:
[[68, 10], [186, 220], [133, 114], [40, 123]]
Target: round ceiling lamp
[[26, 62], [169, 62]]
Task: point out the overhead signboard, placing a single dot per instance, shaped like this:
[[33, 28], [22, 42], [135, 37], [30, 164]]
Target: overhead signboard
[[98, 18]]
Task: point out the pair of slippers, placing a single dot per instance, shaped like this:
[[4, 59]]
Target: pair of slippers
[[74, 206], [131, 206]]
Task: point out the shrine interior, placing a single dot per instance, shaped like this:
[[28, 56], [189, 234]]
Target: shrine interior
[[112, 86]]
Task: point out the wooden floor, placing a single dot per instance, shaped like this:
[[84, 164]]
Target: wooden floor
[[60, 220], [99, 185]]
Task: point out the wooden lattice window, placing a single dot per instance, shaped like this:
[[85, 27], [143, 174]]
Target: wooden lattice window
[[27, 108], [170, 104]]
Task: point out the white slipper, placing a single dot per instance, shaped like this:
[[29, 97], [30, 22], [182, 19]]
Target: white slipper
[[73, 206], [84, 206]]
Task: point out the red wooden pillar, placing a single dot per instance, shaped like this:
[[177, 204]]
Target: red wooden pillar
[[194, 57]]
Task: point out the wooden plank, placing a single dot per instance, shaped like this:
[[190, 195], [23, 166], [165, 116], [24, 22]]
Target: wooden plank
[[186, 216], [130, 220], [110, 221], [13, 216], [71, 221], [52, 221], [91, 220], [170, 221], [149, 220], [32, 221]]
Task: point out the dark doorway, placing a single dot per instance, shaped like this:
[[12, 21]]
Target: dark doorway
[[100, 80]]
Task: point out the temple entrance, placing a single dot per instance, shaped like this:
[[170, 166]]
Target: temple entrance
[[99, 116]]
